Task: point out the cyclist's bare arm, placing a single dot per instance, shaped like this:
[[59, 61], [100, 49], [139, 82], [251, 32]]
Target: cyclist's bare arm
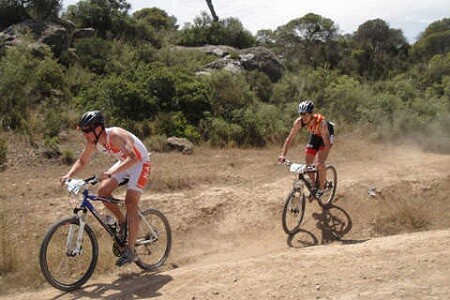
[[325, 134], [289, 140], [80, 163]]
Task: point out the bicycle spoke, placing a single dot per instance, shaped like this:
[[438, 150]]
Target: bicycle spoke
[[330, 187], [154, 240], [61, 265], [293, 212]]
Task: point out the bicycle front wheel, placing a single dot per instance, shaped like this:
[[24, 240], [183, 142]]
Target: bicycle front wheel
[[154, 240], [62, 265], [294, 209], [330, 187]]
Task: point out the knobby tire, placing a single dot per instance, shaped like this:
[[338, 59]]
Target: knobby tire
[[153, 252], [294, 208], [62, 271], [327, 198]]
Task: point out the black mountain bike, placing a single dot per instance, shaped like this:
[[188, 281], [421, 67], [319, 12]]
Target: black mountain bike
[[294, 207], [69, 251]]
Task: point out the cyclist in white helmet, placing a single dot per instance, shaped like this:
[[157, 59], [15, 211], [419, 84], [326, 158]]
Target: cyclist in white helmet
[[133, 164], [320, 139]]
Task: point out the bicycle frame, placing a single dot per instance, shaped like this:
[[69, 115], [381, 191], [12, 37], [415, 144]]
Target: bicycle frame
[[85, 206], [309, 186]]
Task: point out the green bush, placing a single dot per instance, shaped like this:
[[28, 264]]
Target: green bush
[[194, 99], [68, 157], [93, 54], [3, 151], [342, 99], [221, 133], [175, 124], [119, 98], [53, 122], [231, 92], [155, 142]]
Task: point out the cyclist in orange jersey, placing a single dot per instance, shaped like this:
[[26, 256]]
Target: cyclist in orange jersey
[[133, 164], [320, 139]]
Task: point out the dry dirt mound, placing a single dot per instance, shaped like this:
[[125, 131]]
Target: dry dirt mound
[[225, 211], [411, 266]]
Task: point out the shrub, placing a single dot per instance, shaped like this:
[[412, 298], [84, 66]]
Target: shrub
[[93, 53], [222, 133], [3, 151], [68, 157], [194, 99], [175, 124], [53, 122], [342, 99], [231, 92], [155, 142]]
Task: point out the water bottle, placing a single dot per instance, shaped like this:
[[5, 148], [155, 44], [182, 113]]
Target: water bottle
[[111, 222]]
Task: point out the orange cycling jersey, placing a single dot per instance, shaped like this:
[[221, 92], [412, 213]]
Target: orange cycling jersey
[[314, 125]]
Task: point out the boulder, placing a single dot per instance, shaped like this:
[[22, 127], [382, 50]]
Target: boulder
[[220, 50], [235, 60], [56, 36], [81, 33], [179, 144]]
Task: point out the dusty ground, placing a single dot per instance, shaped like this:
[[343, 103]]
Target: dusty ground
[[225, 211]]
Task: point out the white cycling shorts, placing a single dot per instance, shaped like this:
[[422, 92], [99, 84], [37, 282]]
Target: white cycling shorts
[[137, 175]]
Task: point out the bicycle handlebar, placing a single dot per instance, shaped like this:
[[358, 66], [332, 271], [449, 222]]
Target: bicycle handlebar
[[92, 180], [299, 168]]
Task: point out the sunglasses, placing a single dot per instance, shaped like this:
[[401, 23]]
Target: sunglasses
[[86, 129]]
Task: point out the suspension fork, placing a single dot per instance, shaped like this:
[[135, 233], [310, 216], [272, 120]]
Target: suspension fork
[[77, 249]]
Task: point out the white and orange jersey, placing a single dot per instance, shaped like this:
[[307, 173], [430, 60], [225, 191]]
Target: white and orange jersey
[[138, 147]]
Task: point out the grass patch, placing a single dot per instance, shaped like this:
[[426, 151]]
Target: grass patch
[[18, 256]]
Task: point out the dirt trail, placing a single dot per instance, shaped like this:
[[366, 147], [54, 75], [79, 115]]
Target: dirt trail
[[411, 266], [229, 244]]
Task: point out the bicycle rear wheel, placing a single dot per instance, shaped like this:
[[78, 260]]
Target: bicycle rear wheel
[[330, 187], [294, 209], [154, 240], [62, 268]]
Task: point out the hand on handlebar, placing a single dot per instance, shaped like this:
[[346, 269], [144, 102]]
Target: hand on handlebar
[[63, 179], [281, 159]]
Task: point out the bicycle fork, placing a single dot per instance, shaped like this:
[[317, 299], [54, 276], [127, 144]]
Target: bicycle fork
[[74, 250]]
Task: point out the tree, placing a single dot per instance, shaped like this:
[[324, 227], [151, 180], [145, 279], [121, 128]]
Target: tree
[[434, 40], [15, 11], [156, 18], [225, 32], [11, 12], [379, 48], [213, 12], [308, 40], [43, 9], [103, 15]]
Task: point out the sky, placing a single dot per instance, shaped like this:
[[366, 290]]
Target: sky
[[411, 16]]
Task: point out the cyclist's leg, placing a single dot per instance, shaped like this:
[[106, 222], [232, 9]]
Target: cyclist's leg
[[106, 189], [321, 166], [132, 205], [310, 154], [138, 179]]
